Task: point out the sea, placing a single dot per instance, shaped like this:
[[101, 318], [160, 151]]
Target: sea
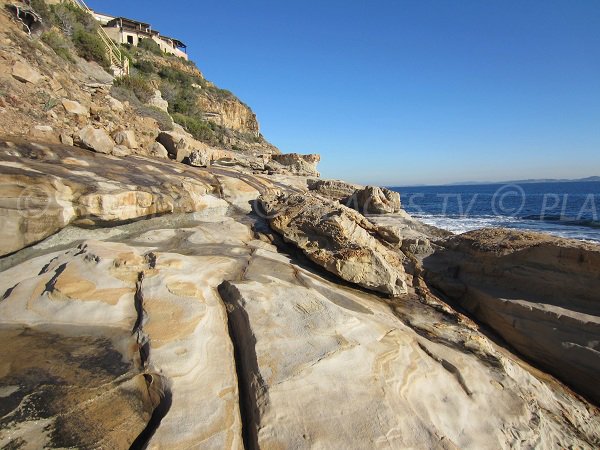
[[566, 209]]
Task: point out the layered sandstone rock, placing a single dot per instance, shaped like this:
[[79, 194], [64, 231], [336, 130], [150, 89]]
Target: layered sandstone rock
[[338, 239], [374, 200], [45, 187], [317, 364], [228, 112], [334, 189], [540, 293], [294, 163]]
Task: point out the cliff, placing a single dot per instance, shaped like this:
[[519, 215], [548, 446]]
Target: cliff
[[162, 289]]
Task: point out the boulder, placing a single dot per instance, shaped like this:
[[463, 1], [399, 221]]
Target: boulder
[[126, 138], [158, 150], [295, 164], [374, 200], [23, 72], [338, 239], [158, 102], [199, 158], [73, 107], [179, 145], [95, 139], [115, 104], [333, 189], [66, 139], [540, 293]]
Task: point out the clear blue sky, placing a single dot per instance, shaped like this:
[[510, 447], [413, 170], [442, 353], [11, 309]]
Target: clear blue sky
[[404, 92]]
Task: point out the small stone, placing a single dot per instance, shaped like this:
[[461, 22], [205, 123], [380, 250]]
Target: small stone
[[121, 150], [66, 139], [126, 138], [73, 107], [115, 104], [25, 73]]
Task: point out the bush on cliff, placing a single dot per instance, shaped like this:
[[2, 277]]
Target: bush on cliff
[[126, 95], [138, 84], [90, 47], [150, 45], [57, 42]]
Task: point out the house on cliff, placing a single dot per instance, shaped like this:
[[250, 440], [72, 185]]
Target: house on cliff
[[128, 31]]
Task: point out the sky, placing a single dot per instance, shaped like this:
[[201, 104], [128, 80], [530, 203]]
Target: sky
[[405, 92]]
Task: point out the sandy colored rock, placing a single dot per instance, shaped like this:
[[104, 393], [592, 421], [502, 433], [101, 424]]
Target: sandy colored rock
[[66, 139], [44, 188], [333, 189], [126, 138], [158, 150], [338, 239], [540, 293], [158, 102], [73, 107], [44, 133], [95, 139], [23, 72], [374, 200], [294, 163]]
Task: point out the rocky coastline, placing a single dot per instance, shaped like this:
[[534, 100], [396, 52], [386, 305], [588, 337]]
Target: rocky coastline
[[161, 292]]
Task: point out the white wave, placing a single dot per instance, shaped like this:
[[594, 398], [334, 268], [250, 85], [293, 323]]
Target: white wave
[[458, 225]]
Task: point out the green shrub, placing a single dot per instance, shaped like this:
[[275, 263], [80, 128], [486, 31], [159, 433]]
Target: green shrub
[[69, 17], [90, 47], [185, 102], [144, 66], [200, 129], [137, 84], [124, 94], [59, 44], [179, 77], [40, 7], [150, 45]]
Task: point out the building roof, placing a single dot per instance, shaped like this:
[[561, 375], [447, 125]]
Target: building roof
[[130, 22], [177, 42]]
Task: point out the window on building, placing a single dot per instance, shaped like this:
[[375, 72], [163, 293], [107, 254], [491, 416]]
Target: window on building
[[130, 40]]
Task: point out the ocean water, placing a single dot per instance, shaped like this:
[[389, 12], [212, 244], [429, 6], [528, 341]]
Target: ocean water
[[568, 209]]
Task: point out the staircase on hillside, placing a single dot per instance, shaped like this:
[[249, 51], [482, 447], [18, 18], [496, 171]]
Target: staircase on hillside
[[118, 62]]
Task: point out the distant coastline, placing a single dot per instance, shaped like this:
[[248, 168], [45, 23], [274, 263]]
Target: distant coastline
[[592, 179]]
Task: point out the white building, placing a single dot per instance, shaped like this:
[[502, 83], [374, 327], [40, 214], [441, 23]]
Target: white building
[[129, 31]]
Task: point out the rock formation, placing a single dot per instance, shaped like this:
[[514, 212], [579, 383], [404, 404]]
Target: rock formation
[[338, 239], [540, 293], [147, 302], [305, 165], [374, 200]]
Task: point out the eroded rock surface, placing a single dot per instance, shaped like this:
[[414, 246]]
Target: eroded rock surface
[[253, 349], [540, 293], [374, 200], [45, 187], [338, 239]]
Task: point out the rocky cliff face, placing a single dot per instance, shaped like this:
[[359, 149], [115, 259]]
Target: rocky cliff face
[[159, 292], [230, 113]]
